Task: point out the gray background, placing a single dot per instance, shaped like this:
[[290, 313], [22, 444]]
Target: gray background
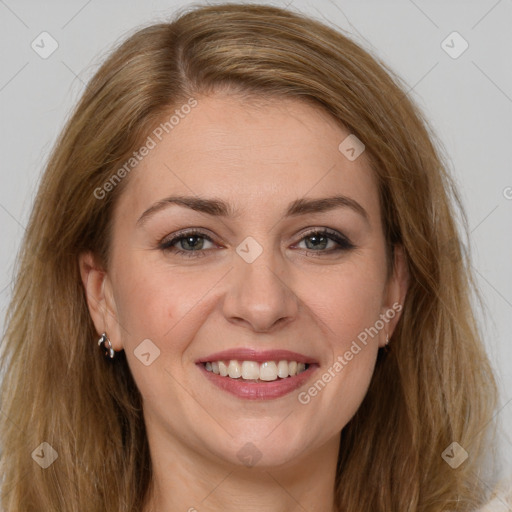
[[468, 101]]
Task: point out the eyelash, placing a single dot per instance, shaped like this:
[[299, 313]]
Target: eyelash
[[343, 242]]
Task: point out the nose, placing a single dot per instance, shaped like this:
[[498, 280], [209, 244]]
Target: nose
[[259, 295]]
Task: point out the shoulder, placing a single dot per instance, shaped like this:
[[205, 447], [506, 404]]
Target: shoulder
[[500, 499]]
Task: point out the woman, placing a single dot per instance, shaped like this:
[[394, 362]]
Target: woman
[[249, 218]]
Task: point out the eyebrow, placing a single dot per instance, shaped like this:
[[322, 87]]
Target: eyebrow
[[219, 208]]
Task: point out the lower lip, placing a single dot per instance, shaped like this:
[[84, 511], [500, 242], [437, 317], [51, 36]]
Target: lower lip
[[259, 390]]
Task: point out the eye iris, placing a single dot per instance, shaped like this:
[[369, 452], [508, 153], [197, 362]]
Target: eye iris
[[320, 240], [187, 240]]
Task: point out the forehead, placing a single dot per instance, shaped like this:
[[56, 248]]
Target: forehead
[[254, 154]]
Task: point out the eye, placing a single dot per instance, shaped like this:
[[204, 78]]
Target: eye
[[319, 240], [190, 243]]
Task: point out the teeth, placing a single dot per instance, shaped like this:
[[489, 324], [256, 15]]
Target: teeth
[[268, 371], [223, 369], [251, 370], [282, 369], [234, 370]]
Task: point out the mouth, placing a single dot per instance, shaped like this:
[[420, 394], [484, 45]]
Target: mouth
[[259, 377], [252, 371]]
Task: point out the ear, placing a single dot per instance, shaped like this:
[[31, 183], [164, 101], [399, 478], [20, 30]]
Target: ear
[[100, 299], [396, 291]]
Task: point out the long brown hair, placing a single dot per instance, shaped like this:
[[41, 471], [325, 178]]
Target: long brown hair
[[433, 388]]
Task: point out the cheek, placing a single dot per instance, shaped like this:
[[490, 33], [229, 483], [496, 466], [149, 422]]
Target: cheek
[[152, 299], [348, 303], [347, 300], [348, 310], [152, 305]]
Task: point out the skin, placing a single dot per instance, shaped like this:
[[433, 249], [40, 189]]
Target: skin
[[296, 295]]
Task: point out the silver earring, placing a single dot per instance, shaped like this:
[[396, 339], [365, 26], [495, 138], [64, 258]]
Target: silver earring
[[386, 345], [106, 345]]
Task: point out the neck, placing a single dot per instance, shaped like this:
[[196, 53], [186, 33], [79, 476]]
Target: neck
[[184, 479]]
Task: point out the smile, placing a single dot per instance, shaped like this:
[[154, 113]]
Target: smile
[[267, 385], [267, 371]]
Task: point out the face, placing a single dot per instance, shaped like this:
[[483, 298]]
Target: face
[[268, 268]]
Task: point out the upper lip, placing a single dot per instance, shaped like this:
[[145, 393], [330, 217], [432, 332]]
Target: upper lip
[[249, 354]]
